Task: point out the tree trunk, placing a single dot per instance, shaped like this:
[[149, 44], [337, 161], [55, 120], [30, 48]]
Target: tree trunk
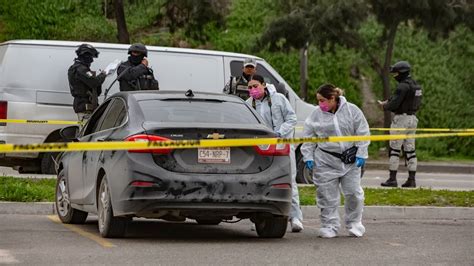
[[123, 36], [385, 75], [304, 72]]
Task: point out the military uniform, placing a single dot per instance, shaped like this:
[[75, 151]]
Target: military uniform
[[132, 74], [85, 87], [238, 86], [404, 103], [136, 77]]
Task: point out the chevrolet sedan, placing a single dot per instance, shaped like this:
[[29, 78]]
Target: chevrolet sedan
[[208, 185]]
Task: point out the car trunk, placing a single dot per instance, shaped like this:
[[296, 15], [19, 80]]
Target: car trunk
[[230, 160]]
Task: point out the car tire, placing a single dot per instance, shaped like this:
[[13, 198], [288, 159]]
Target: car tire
[[65, 212], [208, 221], [109, 226], [271, 227], [303, 175], [48, 167]]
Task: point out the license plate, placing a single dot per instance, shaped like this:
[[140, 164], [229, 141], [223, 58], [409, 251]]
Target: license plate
[[214, 155]]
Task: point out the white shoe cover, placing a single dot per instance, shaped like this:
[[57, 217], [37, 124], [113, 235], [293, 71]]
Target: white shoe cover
[[356, 229], [296, 225], [327, 233]]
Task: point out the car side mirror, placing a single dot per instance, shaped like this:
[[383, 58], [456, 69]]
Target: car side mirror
[[70, 133]]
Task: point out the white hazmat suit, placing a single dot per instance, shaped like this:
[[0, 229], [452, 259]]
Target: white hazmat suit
[[281, 118], [330, 172]]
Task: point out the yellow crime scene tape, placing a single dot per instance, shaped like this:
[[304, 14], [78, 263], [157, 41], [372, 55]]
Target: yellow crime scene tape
[[425, 129], [50, 122], [64, 122], [205, 143], [416, 129]]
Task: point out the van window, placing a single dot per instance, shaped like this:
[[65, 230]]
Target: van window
[[114, 116], [236, 70]]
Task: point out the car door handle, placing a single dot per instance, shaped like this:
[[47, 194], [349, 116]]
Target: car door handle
[[101, 139]]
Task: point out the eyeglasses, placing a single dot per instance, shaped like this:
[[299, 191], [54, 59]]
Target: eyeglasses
[[253, 86]]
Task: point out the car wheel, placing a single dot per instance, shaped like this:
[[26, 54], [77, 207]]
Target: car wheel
[[271, 227], [48, 166], [208, 221], [304, 175], [109, 226], [66, 213]]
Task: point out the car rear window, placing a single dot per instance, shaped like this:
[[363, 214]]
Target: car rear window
[[197, 111]]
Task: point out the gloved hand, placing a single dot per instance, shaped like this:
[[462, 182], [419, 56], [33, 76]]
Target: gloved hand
[[309, 164], [360, 162]]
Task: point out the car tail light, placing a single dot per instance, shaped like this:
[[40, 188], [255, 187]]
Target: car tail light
[[147, 138], [282, 186], [273, 149], [3, 109], [142, 184]]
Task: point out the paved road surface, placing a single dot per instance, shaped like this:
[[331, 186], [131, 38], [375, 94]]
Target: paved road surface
[[38, 240], [373, 178]]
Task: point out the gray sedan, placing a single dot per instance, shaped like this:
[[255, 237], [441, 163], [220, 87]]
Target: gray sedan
[[209, 185]]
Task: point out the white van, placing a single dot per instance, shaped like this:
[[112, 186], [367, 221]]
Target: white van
[[34, 85]]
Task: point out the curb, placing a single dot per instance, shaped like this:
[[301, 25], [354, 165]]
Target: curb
[[34, 208], [309, 212], [401, 212], [425, 167]]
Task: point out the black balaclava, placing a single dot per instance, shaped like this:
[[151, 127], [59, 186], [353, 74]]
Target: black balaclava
[[87, 59], [136, 59], [402, 76]]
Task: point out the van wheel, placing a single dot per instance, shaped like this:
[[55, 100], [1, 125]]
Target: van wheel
[[303, 175], [271, 227], [48, 167]]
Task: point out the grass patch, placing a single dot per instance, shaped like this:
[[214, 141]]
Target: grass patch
[[40, 190], [26, 189], [403, 197]]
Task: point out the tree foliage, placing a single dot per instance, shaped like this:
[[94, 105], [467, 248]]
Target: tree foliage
[[192, 15], [333, 22]]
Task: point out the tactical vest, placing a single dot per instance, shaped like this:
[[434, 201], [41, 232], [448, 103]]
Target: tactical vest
[[416, 95]]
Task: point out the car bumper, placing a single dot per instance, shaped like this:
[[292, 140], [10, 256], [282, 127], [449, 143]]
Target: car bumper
[[196, 194]]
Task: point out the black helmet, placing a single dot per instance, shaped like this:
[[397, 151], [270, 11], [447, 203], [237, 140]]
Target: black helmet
[[87, 49], [400, 67], [138, 47]]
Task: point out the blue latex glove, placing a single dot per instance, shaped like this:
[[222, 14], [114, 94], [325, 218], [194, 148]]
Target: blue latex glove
[[360, 162], [309, 164]]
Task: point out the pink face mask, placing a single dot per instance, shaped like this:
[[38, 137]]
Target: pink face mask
[[255, 93], [324, 106]]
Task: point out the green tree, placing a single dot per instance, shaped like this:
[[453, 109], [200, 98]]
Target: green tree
[[192, 16], [333, 22]]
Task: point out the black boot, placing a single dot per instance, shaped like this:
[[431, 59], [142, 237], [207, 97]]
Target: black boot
[[411, 180], [391, 181]]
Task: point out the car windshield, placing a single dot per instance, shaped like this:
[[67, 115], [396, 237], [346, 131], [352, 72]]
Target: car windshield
[[197, 111]]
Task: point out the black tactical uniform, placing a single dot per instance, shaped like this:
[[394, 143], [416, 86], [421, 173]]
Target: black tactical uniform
[[85, 85], [404, 103], [133, 75]]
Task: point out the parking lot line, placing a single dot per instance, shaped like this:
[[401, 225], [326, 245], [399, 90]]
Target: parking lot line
[[6, 257], [99, 240]]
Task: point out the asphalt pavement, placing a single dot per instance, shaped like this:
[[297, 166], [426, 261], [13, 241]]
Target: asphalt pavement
[[41, 240], [449, 181]]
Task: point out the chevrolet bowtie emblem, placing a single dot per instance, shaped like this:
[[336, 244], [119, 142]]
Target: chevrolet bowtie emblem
[[215, 136]]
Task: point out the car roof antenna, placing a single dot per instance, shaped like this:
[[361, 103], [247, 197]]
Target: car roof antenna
[[189, 93]]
